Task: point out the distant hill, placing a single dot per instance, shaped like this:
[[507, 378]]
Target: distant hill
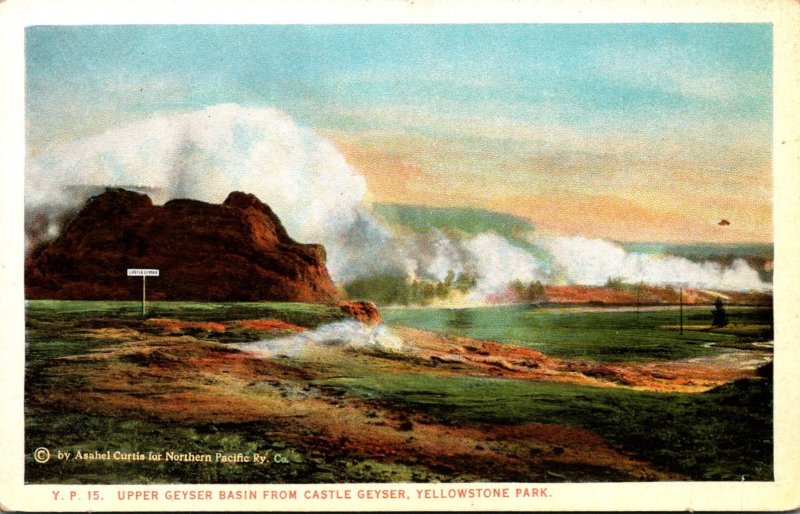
[[469, 220], [704, 251]]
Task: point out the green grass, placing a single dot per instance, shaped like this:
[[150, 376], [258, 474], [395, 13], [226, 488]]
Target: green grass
[[720, 435], [56, 328], [597, 335], [309, 463], [56, 431], [305, 314]]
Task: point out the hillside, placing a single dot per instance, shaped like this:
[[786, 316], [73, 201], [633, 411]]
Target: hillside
[[469, 220], [236, 251]]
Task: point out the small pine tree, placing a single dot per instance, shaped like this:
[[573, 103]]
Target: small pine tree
[[719, 316], [450, 278], [535, 292]]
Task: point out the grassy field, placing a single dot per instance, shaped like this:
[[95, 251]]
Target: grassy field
[[56, 328], [308, 314], [605, 335], [720, 435], [366, 416]]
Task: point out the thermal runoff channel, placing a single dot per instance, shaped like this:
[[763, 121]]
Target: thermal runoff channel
[[321, 198]]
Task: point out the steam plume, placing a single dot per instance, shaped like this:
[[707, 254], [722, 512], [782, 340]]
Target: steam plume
[[320, 198], [348, 334], [593, 261]]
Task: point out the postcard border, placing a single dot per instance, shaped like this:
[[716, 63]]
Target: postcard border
[[781, 494]]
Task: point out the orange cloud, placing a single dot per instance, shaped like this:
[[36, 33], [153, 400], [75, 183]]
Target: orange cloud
[[617, 218], [625, 198], [388, 174]]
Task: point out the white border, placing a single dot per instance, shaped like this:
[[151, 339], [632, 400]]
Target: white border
[[782, 494]]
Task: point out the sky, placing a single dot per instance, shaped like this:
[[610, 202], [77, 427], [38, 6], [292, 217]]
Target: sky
[[627, 132]]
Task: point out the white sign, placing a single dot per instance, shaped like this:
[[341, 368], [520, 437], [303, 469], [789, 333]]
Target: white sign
[[135, 272]]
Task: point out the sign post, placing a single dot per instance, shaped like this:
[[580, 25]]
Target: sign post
[[681, 304], [144, 273]]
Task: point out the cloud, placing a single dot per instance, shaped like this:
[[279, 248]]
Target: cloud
[[205, 155], [581, 260], [320, 198], [681, 70], [498, 263]]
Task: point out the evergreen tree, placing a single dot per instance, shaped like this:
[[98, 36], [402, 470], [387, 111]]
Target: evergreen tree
[[719, 316]]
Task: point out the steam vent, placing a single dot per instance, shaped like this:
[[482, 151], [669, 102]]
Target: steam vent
[[237, 251]]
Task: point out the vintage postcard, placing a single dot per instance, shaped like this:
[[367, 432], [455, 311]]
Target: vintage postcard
[[400, 256]]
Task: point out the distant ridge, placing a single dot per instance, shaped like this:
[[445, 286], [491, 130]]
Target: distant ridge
[[469, 220], [472, 220], [697, 251]]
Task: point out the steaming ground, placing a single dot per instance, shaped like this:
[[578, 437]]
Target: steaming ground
[[349, 334], [206, 154]]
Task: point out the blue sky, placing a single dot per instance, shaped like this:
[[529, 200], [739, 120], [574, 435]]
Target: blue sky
[[602, 114]]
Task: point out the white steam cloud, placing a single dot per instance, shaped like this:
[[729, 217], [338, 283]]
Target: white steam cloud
[[349, 334], [499, 263], [593, 261], [206, 154]]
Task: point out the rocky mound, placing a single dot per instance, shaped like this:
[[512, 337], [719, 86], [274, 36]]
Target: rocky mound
[[237, 251], [365, 312]]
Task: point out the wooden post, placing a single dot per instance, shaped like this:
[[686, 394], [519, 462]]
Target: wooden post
[[681, 308], [144, 273]]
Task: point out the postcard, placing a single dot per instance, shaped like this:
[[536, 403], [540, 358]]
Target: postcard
[[400, 256]]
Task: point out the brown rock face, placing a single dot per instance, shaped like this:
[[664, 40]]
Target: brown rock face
[[365, 312], [237, 251]]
